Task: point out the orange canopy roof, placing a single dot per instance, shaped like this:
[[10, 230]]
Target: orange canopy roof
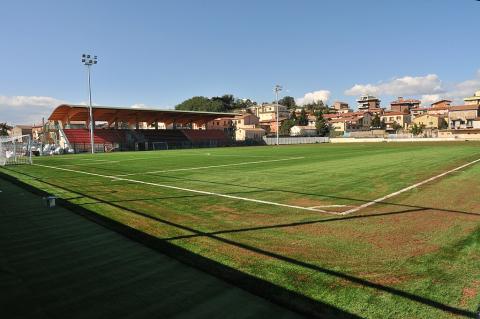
[[70, 112]]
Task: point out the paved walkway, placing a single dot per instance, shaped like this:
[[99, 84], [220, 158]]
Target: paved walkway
[[56, 264]]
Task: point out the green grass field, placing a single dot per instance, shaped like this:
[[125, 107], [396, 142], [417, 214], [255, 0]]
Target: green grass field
[[276, 213]]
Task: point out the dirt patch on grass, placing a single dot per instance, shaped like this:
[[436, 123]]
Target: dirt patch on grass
[[469, 293]]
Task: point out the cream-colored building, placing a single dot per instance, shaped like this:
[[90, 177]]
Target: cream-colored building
[[464, 117], [19, 130], [249, 133], [403, 120], [429, 121], [245, 119], [473, 100], [268, 112]]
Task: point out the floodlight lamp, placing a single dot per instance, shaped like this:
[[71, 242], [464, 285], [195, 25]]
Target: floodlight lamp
[[88, 56]]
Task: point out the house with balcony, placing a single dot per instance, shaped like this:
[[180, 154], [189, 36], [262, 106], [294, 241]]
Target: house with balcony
[[462, 117], [396, 120], [369, 103], [473, 100]]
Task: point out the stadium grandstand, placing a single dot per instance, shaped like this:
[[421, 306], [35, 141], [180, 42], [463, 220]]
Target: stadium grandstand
[[123, 129]]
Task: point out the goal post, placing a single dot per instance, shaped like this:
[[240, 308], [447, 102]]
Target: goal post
[[157, 146], [15, 150]]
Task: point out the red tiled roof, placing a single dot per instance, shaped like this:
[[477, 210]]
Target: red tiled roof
[[464, 107], [405, 101], [441, 101]]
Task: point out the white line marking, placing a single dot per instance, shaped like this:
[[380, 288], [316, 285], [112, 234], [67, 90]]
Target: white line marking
[[90, 163], [211, 166], [190, 190], [356, 209], [325, 206]]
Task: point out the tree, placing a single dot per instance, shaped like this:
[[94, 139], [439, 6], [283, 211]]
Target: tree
[[316, 106], [417, 129], [243, 103], [227, 100], [286, 126], [376, 122], [288, 101], [383, 125], [323, 128], [293, 117], [303, 118], [396, 126], [4, 128], [201, 103], [442, 124]]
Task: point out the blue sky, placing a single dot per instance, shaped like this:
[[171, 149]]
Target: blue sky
[[158, 53]]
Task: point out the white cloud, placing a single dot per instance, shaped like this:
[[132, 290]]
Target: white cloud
[[428, 88], [407, 85], [26, 109], [316, 96], [138, 106], [428, 99]]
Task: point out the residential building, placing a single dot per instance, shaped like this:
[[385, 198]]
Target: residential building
[[306, 130], [350, 121], [441, 104], [429, 121], [245, 119], [341, 107], [18, 130], [464, 117], [473, 100], [396, 119], [37, 131], [404, 105], [222, 123], [368, 103], [439, 108], [249, 133], [419, 111], [268, 112]]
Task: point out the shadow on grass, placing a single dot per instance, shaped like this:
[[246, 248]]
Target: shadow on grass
[[258, 286]]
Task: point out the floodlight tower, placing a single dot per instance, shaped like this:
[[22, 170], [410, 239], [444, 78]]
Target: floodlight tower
[[89, 60], [277, 89]]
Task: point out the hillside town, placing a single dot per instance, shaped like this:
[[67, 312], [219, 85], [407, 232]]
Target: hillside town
[[405, 117]]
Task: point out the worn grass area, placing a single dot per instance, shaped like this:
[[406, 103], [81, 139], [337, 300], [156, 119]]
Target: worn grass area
[[414, 256]]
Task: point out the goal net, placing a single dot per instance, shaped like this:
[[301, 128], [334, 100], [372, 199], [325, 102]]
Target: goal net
[[157, 146], [15, 150]]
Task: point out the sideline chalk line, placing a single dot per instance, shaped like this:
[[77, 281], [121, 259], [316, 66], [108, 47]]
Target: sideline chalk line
[[190, 190], [356, 209]]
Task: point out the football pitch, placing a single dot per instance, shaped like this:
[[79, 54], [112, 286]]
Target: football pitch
[[378, 230]]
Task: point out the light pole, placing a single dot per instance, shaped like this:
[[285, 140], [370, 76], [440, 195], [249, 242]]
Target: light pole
[[277, 89], [90, 60]]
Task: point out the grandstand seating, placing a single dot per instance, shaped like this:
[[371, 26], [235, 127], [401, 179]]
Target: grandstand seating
[[167, 136], [127, 139], [101, 136], [202, 136]]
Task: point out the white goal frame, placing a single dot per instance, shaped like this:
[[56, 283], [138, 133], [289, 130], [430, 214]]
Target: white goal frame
[[15, 150], [156, 144]]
